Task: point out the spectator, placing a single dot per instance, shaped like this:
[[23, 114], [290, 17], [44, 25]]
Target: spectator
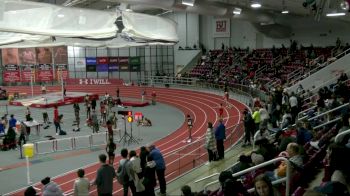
[[248, 127], [263, 186], [110, 148], [77, 116], [160, 168], [30, 191], [304, 135], [2, 126], [210, 143], [143, 157], [50, 188], [220, 136], [149, 180], [57, 120], [293, 101], [104, 177], [124, 162], [12, 122], [186, 191], [136, 171], [95, 125], [81, 185], [257, 119]]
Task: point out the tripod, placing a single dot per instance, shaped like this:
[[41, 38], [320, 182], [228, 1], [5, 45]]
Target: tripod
[[132, 139], [124, 138]]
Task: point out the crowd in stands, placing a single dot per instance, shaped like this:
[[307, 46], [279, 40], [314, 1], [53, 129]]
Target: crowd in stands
[[259, 67]]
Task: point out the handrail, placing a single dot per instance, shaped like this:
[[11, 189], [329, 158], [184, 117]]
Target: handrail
[[212, 175], [287, 179], [327, 123], [338, 137], [329, 111], [304, 111]]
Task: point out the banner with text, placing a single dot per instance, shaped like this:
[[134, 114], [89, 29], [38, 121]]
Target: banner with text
[[94, 81], [135, 64], [123, 63], [28, 71], [45, 73], [221, 27], [91, 64], [61, 72], [102, 64], [11, 73], [113, 64]]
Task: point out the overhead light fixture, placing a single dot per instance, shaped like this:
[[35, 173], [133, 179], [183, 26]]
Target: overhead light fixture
[[255, 4], [60, 15], [188, 2], [285, 12], [336, 14], [128, 10], [344, 5], [237, 11]]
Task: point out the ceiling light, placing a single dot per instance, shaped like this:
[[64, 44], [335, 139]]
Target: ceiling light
[[336, 14], [128, 10], [285, 12], [255, 4], [237, 11], [188, 2], [60, 15]]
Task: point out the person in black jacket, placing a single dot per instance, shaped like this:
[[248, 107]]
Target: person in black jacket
[[104, 177], [149, 180]]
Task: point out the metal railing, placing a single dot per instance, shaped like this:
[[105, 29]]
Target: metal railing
[[286, 179], [327, 123], [240, 92], [301, 115], [324, 113], [194, 154], [340, 135]]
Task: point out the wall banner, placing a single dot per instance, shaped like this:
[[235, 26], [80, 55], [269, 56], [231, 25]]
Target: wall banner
[[221, 27]]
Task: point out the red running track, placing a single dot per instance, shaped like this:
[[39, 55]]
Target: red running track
[[179, 156]]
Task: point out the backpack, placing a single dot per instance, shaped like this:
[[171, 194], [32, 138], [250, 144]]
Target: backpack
[[122, 174]]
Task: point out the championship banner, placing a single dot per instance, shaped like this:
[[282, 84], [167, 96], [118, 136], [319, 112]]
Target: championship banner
[[61, 71], [102, 64], [11, 73], [60, 55], [44, 55], [135, 64], [45, 73], [27, 72], [221, 27], [113, 64], [9, 56], [91, 64], [123, 63], [27, 56]]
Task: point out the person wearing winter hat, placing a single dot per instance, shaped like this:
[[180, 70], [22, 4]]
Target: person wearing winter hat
[[51, 188]]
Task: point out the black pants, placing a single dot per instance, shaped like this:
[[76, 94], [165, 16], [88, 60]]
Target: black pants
[[58, 127], [220, 147], [22, 138], [246, 135], [161, 180], [126, 188], [211, 155]]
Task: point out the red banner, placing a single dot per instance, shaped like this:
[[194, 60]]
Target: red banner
[[27, 71], [45, 73], [11, 73], [61, 71]]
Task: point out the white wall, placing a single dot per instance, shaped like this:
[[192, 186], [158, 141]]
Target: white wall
[[304, 30], [188, 32]]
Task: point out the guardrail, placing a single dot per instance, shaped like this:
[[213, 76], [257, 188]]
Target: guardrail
[[237, 89], [339, 135], [71, 143], [285, 179], [324, 113]]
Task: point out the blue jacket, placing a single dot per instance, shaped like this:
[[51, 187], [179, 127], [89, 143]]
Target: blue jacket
[[220, 132], [158, 158], [12, 122]]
